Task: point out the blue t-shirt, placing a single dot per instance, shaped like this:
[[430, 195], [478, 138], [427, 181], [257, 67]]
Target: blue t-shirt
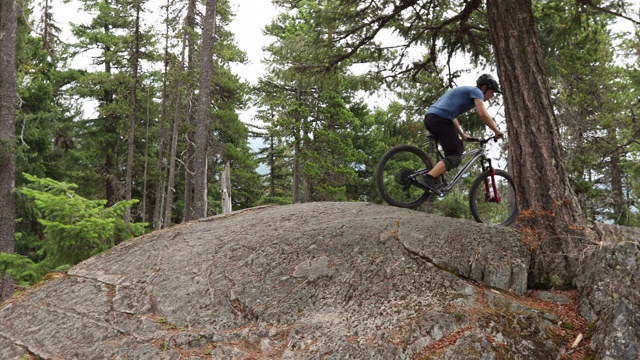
[[455, 102]]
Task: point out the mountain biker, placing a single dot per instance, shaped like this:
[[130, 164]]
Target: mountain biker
[[441, 121]]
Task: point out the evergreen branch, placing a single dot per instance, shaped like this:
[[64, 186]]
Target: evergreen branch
[[607, 11], [632, 139], [431, 32], [380, 22]]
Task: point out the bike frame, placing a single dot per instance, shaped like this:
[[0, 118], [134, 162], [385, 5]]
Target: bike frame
[[477, 154]]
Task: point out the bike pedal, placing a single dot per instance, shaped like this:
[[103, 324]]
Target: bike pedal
[[425, 185]]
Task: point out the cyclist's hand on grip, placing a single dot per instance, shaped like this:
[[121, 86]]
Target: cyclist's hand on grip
[[499, 134]]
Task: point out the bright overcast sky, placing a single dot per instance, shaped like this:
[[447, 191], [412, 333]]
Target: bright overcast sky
[[251, 18], [247, 27]]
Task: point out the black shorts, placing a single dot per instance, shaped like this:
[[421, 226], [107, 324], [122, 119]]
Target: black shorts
[[445, 133]]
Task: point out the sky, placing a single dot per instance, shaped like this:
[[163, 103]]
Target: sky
[[251, 17]]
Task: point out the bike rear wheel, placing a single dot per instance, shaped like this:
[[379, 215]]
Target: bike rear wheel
[[488, 208], [395, 176]]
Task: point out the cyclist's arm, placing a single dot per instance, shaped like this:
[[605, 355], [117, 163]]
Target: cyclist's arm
[[486, 118], [461, 133]]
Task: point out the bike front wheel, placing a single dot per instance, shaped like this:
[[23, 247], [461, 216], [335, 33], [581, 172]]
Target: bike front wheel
[[492, 198], [395, 176]]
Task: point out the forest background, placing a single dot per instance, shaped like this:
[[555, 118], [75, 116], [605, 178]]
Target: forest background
[[163, 141]]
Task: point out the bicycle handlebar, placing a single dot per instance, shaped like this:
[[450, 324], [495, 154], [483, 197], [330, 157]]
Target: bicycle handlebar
[[482, 141]]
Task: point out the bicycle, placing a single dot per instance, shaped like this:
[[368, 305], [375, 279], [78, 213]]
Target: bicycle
[[491, 196]]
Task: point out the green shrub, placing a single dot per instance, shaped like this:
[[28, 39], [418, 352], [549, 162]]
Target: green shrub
[[75, 228]]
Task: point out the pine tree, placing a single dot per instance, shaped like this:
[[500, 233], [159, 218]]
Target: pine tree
[[107, 32], [8, 29], [310, 108], [201, 180]]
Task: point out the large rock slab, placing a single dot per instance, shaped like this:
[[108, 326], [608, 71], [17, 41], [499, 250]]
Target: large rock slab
[[610, 293], [307, 281]]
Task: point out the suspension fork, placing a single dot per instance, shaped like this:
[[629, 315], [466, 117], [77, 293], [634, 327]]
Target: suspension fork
[[488, 186]]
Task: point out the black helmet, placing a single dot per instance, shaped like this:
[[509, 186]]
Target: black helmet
[[486, 79]]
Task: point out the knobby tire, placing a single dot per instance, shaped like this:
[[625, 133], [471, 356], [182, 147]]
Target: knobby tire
[[484, 209], [394, 186]]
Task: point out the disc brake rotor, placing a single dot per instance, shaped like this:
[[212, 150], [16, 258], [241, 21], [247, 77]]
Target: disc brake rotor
[[402, 177]]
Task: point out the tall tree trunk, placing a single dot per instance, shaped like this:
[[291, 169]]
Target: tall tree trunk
[[173, 151], [620, 210], [162, 161], [111, 130], [296, 168], [226, 189], [189, 137], [620, 213], [202, 117], [134, 111], [297, 149], [619, 205], [551, 217], [172, 161], [145, 175], [581, 170], [8, 30], [272, 165], [189, 185], [46, 28], [307, 185]]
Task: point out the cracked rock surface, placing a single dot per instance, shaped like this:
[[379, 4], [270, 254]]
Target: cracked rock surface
[[610, 296], [305, 281]]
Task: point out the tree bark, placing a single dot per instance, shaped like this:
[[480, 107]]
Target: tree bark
[[173, 151], [188, 211], [111, 120], [620, 214], [172, 161], [201, 203], [297, 152], [134, 112], [226, 189], [162, 161], [8, 31], [295, 193], [551, 218], [145, 174]]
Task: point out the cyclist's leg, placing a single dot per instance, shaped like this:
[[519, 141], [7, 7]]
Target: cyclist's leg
[[445, 133], [453, 149], [430, 124]]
